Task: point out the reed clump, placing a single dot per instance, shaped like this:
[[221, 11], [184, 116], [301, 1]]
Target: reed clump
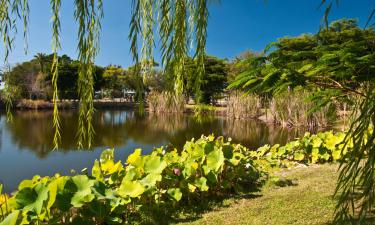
[[242, 105], [165, 102], [42, 104], [293, 109]]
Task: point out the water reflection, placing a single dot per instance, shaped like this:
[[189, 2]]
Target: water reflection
[[32, 130], [26, 143]]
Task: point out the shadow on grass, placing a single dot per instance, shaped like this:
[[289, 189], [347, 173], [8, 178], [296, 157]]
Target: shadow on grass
[[192, 208], [370, 219]]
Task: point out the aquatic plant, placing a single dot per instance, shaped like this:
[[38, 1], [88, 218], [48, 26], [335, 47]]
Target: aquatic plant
[[294, 109], [165, 102], [241, 105], [117, 192]]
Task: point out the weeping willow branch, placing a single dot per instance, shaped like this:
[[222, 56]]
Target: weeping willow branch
[[202, 15], [88, 14], [135, 32], [180, 44], [9, 13], [180, 22], [356, 184], [55, 6], [25, 18], [7, 26]]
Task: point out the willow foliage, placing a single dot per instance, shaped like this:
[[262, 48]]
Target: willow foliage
[[179, 25]]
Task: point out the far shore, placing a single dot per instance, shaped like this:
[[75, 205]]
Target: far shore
[[42, 105]]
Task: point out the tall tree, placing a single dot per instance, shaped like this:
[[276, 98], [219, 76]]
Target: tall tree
[[42, 59]]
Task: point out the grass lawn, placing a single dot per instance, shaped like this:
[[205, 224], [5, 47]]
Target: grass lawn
[[306, 200]]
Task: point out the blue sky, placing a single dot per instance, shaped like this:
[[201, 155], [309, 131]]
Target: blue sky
[[234, 26]]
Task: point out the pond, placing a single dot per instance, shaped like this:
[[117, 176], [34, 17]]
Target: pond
[[26, 143]]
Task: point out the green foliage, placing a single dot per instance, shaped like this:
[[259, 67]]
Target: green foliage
[[213, 79], [356, 183], [189, 23], [310, 149], [339, 57], [115, 192]]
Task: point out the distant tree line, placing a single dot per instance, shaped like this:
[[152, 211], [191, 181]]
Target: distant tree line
[[32, 79]]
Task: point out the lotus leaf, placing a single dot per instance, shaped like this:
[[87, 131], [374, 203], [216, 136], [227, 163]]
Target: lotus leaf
[[135, 159], [215, 159], [11, 219], [154, 164], [83, 193], [175, 193], [132, 189]]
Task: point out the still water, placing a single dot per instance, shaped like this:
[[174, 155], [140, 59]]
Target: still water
[[26, 143]]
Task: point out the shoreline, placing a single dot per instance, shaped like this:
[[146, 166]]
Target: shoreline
[[42, 105]]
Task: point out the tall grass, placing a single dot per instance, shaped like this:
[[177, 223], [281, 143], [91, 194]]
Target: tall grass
[[42, 104], [165, 102], [293, 109], [242, 105]]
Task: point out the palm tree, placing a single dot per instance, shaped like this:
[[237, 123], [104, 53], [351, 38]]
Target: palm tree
[[42, 58]]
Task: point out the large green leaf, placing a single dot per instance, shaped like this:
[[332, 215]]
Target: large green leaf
[[215, 159], [130, 188], [11, 219], [201, 184], [53, 187], [315, 155], [299, 156], [154, 164], [151, 179], [33, 199], [175, 193], [135, 159], [84, 193], [96, 171]]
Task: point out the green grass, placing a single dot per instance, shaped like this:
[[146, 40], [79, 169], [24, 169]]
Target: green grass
[[307, 199]]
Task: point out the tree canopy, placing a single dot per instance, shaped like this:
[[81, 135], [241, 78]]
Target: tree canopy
[[339, 57]]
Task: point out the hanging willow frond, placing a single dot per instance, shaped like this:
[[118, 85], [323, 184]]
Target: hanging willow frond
[[25, 18], [134, 34], [179, 25], [165, 31], [56, 45], [20, 8], [179, 42], [356, 183], [147, 8], [9, 13], [201, 29], [7, 25], [88, 14]]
